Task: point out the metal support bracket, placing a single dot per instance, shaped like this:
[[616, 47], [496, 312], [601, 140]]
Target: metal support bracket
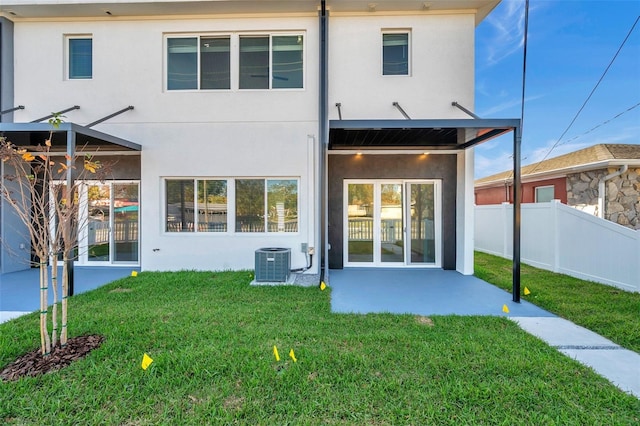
[[397, 105], [129, 108], [466, 111], [7, 111], [56, 113]]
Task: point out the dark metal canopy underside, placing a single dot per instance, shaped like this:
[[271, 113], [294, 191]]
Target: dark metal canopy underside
[[30, 135], [446, 134]]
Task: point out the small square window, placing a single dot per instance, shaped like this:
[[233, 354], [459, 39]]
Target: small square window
[[80, 55], [544, 194], [395, 53]]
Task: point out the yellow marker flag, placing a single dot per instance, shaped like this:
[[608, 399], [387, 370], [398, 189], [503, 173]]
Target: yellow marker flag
[[134, 273], [293, 355], [322, 285], [146, 361], [505, 309], [275, 353], [526, 291]]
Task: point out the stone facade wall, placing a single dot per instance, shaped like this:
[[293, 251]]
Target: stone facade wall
[[622, 203]]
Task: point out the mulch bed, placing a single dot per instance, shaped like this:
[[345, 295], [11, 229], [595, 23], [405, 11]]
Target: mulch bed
[[33, 363]]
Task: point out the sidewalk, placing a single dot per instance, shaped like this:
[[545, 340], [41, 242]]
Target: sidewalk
[[617, 364]]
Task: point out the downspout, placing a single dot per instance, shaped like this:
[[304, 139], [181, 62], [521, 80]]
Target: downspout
[[323, 132], [601, 188], [6, 69]]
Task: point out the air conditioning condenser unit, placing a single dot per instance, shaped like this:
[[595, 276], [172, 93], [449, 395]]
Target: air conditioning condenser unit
[[273, 264]]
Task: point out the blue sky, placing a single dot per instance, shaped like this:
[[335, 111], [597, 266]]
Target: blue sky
[[570, 44]]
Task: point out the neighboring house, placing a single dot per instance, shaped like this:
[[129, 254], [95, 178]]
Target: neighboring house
[[257, 124], [603, 180]]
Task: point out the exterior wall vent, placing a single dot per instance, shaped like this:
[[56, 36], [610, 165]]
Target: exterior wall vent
[[273, 264]]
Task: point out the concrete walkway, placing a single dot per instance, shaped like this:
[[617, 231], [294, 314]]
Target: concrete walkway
[[438, 292], [617, 364]]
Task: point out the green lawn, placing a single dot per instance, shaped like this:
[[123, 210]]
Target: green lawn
[[606, 310], [211, 336]]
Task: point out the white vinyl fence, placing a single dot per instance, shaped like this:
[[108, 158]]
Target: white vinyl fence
[[562, 239]]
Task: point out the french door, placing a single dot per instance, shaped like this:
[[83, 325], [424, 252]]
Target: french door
[[110, 216], [392, 223]]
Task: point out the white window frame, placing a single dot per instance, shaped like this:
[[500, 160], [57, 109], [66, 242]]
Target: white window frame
[[271, 35], [196, 209], [231, 205], [198, 37], [406, 218], [553, 188], [409, 50], [67, 55], [234, 60]]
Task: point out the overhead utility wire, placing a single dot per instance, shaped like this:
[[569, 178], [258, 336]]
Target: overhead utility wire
[[588, 97], [602, 124], [524, 64], [524, 74]]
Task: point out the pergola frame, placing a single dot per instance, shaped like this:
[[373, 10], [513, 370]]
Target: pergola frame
[[437, 134]]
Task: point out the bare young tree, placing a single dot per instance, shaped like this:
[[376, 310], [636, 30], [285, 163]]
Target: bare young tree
[[36, 187]]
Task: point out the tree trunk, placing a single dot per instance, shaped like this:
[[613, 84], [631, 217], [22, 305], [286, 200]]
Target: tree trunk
[[54, 307], [65, 295], [44, 329]]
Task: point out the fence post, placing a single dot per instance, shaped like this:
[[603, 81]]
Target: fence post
[[555, 228]]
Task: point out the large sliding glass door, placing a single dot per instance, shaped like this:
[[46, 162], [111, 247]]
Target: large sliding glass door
[[111, 215], [392, 223]]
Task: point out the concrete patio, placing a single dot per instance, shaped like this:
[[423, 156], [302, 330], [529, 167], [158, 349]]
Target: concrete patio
[[19, 291], [423, 292]]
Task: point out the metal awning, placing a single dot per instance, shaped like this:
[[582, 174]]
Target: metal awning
[[30, 135], [66, 138], [445, 134]]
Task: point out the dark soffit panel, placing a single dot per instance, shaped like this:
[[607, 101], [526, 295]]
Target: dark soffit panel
[[30, 135], [416, 134]]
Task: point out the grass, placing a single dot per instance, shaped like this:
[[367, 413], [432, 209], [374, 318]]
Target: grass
[[211, 336], [606, 310]]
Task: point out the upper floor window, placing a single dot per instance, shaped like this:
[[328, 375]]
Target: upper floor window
[[198, 63], [80, 57], [395, 53], [271, 62], [544, 194]]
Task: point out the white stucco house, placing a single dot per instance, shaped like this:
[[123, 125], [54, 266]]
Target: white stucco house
[[336, 129]]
